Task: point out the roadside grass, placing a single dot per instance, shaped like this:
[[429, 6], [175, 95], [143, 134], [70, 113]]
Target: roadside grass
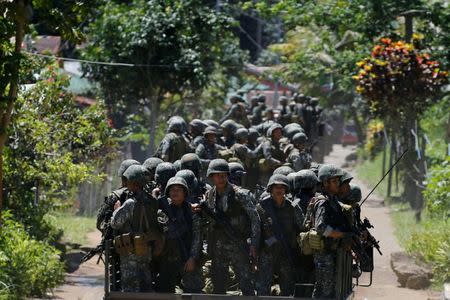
[[428, 240], [75, 227]]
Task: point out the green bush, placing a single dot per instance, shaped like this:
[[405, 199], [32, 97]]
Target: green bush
[[437, 192], [431, 243], [27, 267]]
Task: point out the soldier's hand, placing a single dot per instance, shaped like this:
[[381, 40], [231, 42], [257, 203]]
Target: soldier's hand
[[156, 192], [189, 265], [196, 208], [117, 205]]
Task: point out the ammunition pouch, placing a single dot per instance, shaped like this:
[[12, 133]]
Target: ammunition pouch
[[264, 165], [226, 154], [347, 210], [138, 244], [310, 242]]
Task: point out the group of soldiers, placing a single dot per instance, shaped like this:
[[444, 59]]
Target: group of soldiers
[[242, 194]]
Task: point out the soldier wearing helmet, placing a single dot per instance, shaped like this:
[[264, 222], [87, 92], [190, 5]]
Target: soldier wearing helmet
[[135, 222], [281, 223], [181, 256], [299, 157], [196, 129], [174, 143], [163, 173], [208, 150], [257, 113], [285, 116], [237, 112], [332, 225], [236, 207], [273, 153]]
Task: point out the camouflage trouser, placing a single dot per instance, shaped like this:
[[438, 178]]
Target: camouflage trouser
[[325, 275], [172, 273], [270, 264], [223, 255], [135, 273]]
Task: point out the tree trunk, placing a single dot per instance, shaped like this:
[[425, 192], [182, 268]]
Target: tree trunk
[[154, 114], [5, 114]]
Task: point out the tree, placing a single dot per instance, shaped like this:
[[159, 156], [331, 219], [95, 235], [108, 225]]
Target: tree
[[15, 19], [174, 47]]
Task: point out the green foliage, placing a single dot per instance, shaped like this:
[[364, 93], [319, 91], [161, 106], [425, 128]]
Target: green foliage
[[74, 227], [27, 266], [437, 192], [53, 146], [432, 244]]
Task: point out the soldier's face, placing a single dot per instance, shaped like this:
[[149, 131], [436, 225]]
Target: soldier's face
[[219, 179], [211, 138], [277, 134], [278, 191], [133, 186], [344, 189], [177, 194], [332, 185]]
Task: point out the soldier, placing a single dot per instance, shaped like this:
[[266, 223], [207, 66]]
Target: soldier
[[192, 183], [106, 209], [252, 141], [180, 260], [344, 185], [252, 104], [281, 222], [229, 128], [235, 221], [210, 149], [196, 129], [163, 173], [174, 144], [285, 116], [136, 224], [237, 172], [274, 155], [299, 157], [331, 224], [232, 110], [150, 165], [257, 113], [191, 161]]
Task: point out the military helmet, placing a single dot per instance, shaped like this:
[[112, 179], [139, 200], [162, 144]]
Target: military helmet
[[210, 130], [284, 170], [346, 177], [212, 123], [230, 125], [329, 171], [218, 165], [314, 101], [124, 166], [176, 181], [177, 125], [355, 195], [254, 100], [191, 161], [283, 100], [189, 177], [278, 179], [262, 99], [198, 125], [253, 134], [272, 129], [294, 183], [151, 163], [291, 129], [236, 169], [235, 98], [135, 173], [177, 165], [299, 138], [164, 172], [241, 134], [307, 179]]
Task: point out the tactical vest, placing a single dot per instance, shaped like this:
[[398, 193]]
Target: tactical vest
[[177, 147], [235, 215], [285, 217]]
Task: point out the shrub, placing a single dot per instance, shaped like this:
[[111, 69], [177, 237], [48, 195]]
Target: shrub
[[431, 243], [27, 267], [437, 192]]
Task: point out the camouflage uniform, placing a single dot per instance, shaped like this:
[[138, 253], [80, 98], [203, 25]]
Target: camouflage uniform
[[238, 207], [136, 216], [276, 258], [183, 241], [274, 155], [174, 144]]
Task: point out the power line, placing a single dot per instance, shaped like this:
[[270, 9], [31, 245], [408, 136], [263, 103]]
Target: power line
[[119, 64]]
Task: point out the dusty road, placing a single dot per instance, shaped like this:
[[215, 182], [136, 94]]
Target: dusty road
[[86, 282]]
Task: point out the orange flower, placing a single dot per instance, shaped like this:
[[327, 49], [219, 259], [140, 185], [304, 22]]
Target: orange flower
[[386, 41]]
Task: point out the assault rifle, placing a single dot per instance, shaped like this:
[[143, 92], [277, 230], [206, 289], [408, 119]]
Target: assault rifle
[[223, 223], [99, 249]]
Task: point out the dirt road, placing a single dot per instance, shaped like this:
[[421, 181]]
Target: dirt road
[[86, 282], [385, 284]]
